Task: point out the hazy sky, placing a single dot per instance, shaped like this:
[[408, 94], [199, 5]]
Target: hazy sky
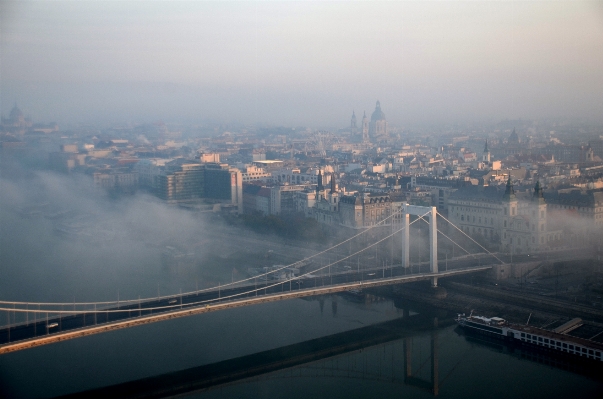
[[301, 63]]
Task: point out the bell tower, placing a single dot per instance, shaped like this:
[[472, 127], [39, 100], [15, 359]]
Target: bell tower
[[486, 154], [538, 210], [365, 128]]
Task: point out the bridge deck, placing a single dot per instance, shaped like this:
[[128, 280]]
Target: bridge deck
[[176, 313]]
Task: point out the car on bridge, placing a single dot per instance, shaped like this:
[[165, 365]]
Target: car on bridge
[[52, 325]]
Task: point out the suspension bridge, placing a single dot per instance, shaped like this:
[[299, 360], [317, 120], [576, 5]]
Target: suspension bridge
[[32, 324]]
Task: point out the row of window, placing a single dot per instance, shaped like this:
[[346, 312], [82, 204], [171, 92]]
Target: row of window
[[563, 346], [478, 210], [479, 219]]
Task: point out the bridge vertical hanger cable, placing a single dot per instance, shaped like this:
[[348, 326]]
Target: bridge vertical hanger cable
[[256, 290], [481, 246], [132, 301], [454, 242]]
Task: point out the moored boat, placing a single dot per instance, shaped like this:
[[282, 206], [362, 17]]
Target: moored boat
[[532, 336]]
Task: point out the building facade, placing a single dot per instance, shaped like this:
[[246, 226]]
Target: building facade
[[514, 225]]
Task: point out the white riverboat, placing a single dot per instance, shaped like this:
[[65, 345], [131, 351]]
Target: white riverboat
[[554, 341]]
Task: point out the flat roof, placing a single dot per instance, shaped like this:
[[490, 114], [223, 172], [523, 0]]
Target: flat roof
[[268, 162]]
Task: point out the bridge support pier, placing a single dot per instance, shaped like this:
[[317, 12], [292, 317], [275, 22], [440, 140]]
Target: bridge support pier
[[433, 245], [431, 212], [405, 240]]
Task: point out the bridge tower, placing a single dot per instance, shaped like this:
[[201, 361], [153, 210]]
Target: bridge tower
[[431, 212]]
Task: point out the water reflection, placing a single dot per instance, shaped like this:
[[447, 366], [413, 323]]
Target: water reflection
[[330, 349], [415, 352]]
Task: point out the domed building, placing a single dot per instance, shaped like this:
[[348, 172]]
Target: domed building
[[374, 130], [378, 125], [16, 120]]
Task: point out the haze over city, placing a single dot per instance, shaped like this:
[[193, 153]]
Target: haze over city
[[301, 199], [298, 63]]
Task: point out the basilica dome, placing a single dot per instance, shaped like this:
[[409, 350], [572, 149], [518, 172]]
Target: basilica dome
[[378, 115]]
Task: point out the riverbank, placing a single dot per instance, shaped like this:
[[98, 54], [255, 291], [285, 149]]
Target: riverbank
[[462, 297]]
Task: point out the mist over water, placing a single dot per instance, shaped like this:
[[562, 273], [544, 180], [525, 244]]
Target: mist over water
[[61, 240], [262, 80]]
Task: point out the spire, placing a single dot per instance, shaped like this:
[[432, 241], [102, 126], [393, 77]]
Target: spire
[[319, 185], [333, 188], [486, 146], [509, 192], [538, 193]]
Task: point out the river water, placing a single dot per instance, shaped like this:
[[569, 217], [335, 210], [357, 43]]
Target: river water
[[36, 264], [400, 367]]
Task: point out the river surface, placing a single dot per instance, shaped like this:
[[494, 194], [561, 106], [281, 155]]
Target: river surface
[[465, 368], [121, 258]]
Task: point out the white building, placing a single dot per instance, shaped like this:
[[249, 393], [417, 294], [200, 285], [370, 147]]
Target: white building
[[514, 225]]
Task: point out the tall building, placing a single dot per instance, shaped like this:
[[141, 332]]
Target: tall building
[[181, 183], [326, 207], [486, 154], [365, 129], [378, 125], [353, 125], [224, 183]]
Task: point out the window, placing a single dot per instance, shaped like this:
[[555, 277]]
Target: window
[[565, 345]]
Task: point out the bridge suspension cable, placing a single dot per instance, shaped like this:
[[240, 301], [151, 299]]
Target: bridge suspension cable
[[481, 246], [208, 301], [134, 301], [451, 240]]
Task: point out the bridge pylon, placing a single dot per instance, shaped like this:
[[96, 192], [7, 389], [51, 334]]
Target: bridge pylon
[[431, 212]]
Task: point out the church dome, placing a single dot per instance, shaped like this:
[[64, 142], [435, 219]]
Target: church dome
[[378, 115], [16, 113]]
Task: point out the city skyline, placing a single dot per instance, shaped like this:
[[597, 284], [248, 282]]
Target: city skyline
[[302, 64]]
